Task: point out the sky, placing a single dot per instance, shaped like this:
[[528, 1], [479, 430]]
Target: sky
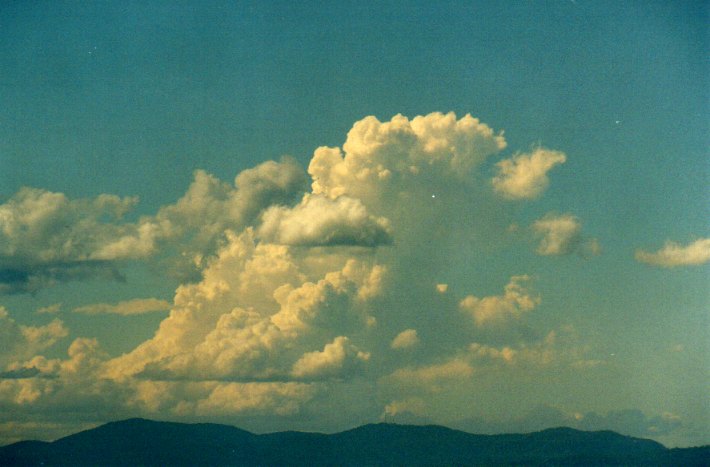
[[487, 215]]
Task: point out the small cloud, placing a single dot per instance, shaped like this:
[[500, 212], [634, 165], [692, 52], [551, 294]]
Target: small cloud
[[516, 300], [333, 360], [562, 235], [137, 306], [525, 175], [673, 254], [50, 309], [405, 339], [410, 411]]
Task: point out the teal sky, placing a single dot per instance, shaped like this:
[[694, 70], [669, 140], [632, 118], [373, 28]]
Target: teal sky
[[577, 277]]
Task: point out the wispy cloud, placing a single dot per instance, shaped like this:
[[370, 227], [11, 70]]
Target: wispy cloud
[[50, 309], [562, 235], [136, 306]]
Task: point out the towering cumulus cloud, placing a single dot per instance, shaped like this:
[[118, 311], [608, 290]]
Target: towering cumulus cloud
[[299, 298]]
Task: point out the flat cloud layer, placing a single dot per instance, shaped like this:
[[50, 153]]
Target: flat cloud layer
[[301, 300], [136, 306]]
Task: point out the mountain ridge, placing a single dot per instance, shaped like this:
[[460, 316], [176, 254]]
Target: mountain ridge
[[138, 441]]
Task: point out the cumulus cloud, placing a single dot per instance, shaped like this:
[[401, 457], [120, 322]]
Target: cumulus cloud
[[321, 221], [379, 157], [291, 297], [557, 347], [333, 360], [47, 238], [255, 316], [246, 398], [20, 341], [674, 254], [135, 306], [562, 235], [525, 175], [405, 339], [211, 206], [516, 300], [429, 379]]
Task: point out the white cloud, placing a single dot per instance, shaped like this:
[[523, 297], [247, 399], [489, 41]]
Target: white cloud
[[253, 316], [333, 360], [267, 324], [557, 347], [135, 306], [319, 221], [562, 235], [405, 339], [673, 254], [380, 159], [431, 378], [248, 398], [525, 175], [46, 238], [516, 300], [20, 342]]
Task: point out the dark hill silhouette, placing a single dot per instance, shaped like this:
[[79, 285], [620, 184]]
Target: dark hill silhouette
[[145, 442]]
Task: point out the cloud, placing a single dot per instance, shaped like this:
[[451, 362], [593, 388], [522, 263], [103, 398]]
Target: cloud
[[289, 296], [333, 360], [47, 238], [405, 339], [429, 379], [525, 176], [562, 235], [20, 341], [409, 411], [50, 309], [135, 306], [516, 300], [320, 221], [248, 398], [558, 347], [673, 254], [381, 157], [210, 206], [630, 422], [256, 316]]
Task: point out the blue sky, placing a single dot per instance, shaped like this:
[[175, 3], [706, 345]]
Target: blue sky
[[606, 325]]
